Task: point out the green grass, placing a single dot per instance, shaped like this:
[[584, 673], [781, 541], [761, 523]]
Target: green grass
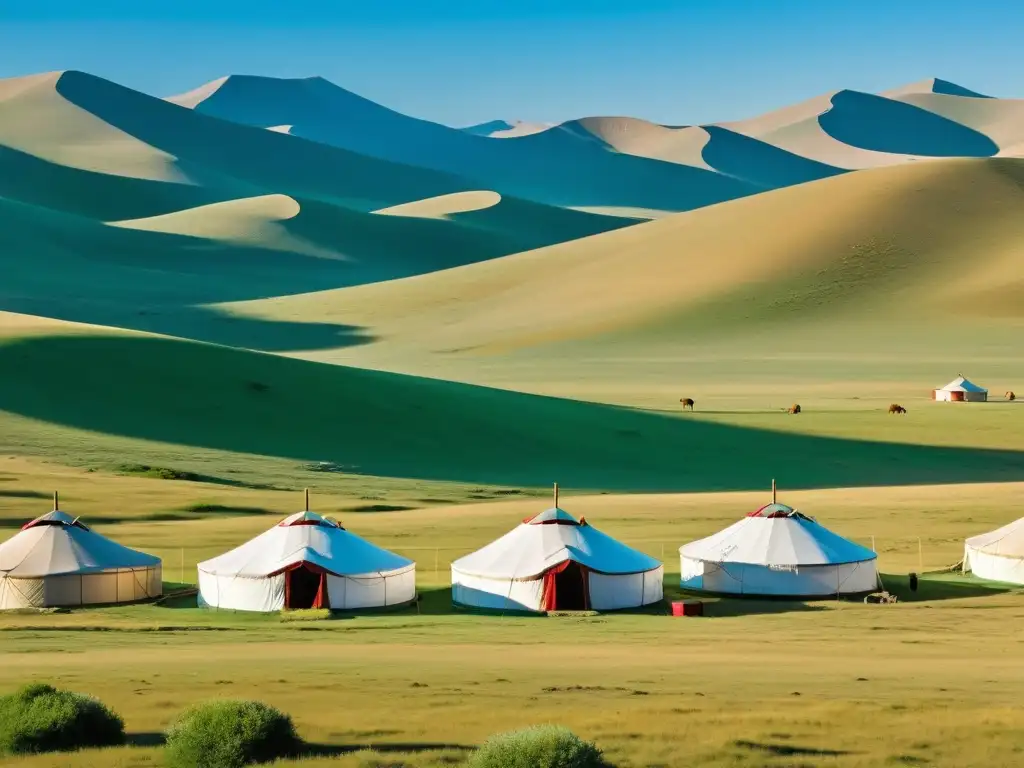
[[146, 389]]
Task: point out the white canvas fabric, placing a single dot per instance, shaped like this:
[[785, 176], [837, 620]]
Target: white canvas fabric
[[508, 573], [778, 551], [56, 560], [966, 390], [359, 574], [997, 555]]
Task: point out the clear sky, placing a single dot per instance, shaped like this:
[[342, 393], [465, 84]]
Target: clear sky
[[466, 61]]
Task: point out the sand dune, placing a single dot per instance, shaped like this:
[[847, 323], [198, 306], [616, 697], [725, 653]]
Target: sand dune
[[551, 166], [875, 242], [255, 222], [444, 205], [932, 85], [503, 129], [1001, 120], [37, 119]]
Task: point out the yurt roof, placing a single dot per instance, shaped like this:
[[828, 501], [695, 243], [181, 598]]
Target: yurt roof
[[305, 537], [1007, 541], [960, 384], [553, 515], [535, 546], [57, 544], [777, 535]]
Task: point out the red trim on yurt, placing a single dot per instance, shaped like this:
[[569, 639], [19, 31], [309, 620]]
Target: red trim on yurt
[[321, 523], [34, 523], [530, 521]]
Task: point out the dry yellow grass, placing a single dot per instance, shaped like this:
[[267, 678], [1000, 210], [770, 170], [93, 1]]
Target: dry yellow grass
[[839, 684]]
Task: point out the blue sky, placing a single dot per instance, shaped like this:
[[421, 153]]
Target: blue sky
[[465, 61]]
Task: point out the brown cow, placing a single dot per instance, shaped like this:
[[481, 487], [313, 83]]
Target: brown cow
[[1010, 396], [687, 402], [897, 408], [793, 408]]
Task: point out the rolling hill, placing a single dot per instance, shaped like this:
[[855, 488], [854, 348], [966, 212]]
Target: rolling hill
[[843, 252], [871, 263]]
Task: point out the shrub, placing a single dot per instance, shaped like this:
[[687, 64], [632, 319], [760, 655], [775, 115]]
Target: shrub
[[41, 718], [544, 746], [229, 734]]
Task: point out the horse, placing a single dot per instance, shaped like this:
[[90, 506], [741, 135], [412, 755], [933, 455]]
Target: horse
[[896, 408], [793, 408], [1011, 396], [687, 402]]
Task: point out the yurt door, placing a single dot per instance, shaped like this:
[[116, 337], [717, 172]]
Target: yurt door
[[956, 396], [566, 588], [305, 588]]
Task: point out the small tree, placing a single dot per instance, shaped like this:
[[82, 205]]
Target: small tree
[[229, 734], [41, 718], [545, 746]]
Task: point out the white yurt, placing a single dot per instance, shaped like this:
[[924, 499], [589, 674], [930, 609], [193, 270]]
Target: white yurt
[[997, 555], [57, 561], [777, 551], [554, 562], [960, 390], [306, 561]]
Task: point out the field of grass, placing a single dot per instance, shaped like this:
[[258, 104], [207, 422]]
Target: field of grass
[[752, 684]]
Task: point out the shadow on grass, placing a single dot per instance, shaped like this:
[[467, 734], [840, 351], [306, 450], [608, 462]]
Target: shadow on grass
[[310, 751], [951, 586], [146, 388], [789, 750], [150, 739]]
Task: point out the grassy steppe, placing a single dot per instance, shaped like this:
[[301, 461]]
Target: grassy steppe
[[766, 684]]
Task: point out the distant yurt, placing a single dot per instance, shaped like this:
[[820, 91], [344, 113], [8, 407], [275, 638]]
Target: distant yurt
[[777, 551], [997, 555], [306, 561], [960, 390], [57, 561], [553, 562]]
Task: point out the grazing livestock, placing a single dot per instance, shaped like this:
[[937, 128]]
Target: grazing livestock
[[793, 409], [896, 408], [687, 402], [1010, 396]]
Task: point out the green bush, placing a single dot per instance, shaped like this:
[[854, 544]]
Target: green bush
[[40, 718], [544, 746], [229, 734]]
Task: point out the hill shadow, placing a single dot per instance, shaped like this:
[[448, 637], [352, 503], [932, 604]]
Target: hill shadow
[[30, 179], [874, 122], [410, 427]]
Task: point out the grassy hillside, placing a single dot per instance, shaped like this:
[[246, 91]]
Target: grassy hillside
[[374, 423], [845, 250]]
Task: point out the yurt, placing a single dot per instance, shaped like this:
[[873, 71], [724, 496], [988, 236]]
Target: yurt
[[57, 561], [306, 561], [554, 562], [998, 555], [960, 390], [777, 551]]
